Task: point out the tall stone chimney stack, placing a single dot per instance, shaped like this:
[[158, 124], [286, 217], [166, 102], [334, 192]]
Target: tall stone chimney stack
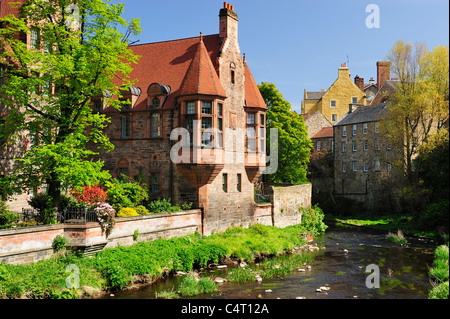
[[228, 26]]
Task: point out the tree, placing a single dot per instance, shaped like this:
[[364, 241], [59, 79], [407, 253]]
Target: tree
[[294, 146], [77, 51], [420, 99]]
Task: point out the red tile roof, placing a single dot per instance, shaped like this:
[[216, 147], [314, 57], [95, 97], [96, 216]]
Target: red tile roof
[[168, 62], [201, 77], [253, 97], [325, 132]]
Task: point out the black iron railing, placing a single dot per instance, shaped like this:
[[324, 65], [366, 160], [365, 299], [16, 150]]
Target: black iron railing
[[78, 215]]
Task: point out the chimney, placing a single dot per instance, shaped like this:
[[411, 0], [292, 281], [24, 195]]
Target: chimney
[[371, 81], [359, 82], [351, 107], [383, 73], [228, 22], [344, 71]]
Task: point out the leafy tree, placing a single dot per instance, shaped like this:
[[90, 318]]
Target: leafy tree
[[294, 146], [420, 99], [77, 49]]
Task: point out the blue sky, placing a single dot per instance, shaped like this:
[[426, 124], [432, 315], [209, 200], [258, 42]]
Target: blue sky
[[297, 44]]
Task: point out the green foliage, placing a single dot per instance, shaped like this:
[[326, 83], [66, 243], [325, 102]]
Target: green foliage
[[163, 206], [439, 273], [136, 235], [294, 146], [432, 165], [43, 203], [116, 276], [191, 286], [125, 193], [7, 218], [59, 243], [127, 212], [434, 216], [312, 220], [142, 210], [80, 65]]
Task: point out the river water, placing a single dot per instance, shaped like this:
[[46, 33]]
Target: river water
[[339, 265]]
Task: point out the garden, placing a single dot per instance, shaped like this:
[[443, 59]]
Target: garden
[[119, 198]]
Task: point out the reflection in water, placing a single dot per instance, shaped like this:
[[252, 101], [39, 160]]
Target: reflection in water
[[339, 268]]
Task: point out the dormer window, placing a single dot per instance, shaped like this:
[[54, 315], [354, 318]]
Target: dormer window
[[125, 105], [155, 102], [156, 95]]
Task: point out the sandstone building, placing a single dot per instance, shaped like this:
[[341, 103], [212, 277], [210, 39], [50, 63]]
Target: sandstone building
[[203, 85]]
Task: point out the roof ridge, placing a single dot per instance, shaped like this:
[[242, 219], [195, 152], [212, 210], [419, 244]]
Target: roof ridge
[[174, 40]]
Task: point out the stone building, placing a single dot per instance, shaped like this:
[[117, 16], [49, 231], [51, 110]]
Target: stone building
[[333, 103], [363, 157], [204, 86]]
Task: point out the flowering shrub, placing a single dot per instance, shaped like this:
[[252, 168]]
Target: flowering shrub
[[90, 195], [106, 217]]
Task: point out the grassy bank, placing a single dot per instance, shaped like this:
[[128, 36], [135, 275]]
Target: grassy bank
[[439, 273], [144, 262]]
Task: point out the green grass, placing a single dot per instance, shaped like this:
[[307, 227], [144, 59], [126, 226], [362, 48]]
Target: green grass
[[116, 268], [440, 273]]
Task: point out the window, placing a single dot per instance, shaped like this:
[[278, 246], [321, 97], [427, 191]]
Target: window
[[125, 105], [354, 127], [239, 182], [377, 125], [332, 103], [344, 168], [354, 167], [251, 118], [377, 166], [35, 38], [155, 102], [343, 147], [251, 132], [365, 128], [333, 117], [206, 107], [154, 183], [262, 133], [366, 166], [365, 146], [344, 131], [155, 125], [219, 125], [232, 77], [207, 133], [190, 108], [376, 145], [354, 146], [220, 109], [225, 182], [354, 100], [262, 120], [318, 146], [206, 123], [389, 167], [125, 127]]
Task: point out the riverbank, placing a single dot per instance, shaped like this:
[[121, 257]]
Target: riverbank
[[71, 276]]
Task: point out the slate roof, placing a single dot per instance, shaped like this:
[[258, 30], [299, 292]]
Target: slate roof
[[363, 114], [314, 95]]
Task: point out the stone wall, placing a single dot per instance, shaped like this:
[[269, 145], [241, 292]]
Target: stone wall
[[286, 202], [32, 244]]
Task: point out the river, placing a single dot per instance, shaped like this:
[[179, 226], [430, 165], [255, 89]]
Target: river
[[339, 266]]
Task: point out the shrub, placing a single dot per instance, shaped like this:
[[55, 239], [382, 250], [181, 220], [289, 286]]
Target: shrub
[[127, 193], [142, 210], [43, 203], [312, 220], [439, 273], [191, 286], [106, 217], [7, 218], [434, 216], [59, 243], [116, 276], [90, 195], [127, 212], [67, 201]]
